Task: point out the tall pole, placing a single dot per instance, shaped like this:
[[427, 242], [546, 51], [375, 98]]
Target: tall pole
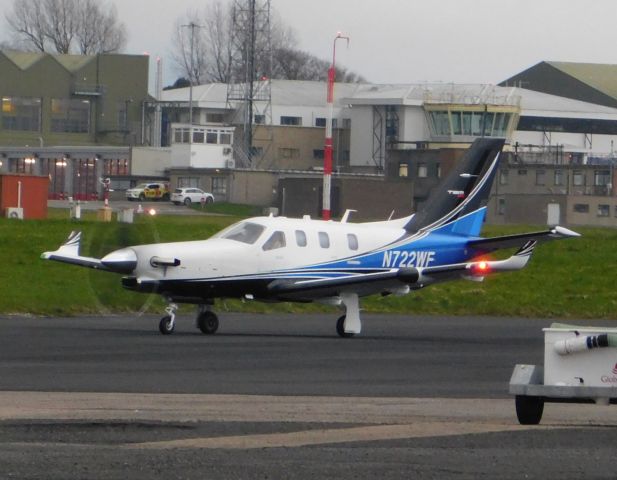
[[327, 161], [192, 26]]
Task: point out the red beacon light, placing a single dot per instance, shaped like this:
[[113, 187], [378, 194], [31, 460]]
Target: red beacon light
[[481, 267]]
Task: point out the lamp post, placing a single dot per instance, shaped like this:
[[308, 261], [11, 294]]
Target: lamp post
[[192, 26], [327, 163]]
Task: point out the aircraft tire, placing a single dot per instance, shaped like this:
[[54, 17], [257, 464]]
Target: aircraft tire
[[166, 327], [340, 328], [529, 409], [208, 323]]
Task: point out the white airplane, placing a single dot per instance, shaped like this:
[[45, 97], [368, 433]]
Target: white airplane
[[278, 259]]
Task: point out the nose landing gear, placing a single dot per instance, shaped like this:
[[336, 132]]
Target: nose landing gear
[[168, 322]]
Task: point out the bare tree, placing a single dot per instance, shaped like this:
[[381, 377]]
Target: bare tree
[[28, 22], [190, 52], [212, 43], [67, 26], [98, 29]]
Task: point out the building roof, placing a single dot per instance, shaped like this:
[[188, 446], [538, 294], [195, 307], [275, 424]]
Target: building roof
[[602, 77], [71, 63], [313, 93], [283, 92]]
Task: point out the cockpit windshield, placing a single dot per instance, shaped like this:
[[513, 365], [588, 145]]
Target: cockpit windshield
[[245, 232]]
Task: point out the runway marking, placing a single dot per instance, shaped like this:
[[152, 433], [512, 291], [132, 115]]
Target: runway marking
[[330, 436]]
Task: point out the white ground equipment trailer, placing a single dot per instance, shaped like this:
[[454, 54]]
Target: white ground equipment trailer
[[580, 366]]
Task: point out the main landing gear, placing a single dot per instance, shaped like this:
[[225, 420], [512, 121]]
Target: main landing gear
[[349, 324], [207, 321]]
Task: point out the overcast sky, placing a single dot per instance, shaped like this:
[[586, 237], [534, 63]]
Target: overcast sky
[[404, 41]]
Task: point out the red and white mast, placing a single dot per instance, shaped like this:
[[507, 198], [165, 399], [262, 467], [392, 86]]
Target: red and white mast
[[327, 161]]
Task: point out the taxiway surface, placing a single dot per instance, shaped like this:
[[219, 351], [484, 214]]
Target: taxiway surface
[[281, 396]]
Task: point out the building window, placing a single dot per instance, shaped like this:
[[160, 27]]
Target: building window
[[438, 170], [558, 179], [301, 238], [216, 118], [219, 186], [422, 170], [188, 182], [601, 178], [114, 167], [581, 208], [578, 179], [320, 122], [503, 177], [211, 138], [198, 136], [318, 154], [70, 115], [225, 138], [403, 170], [540, 177], [352, 241], [522, 171], [347, 123], [324, 240], [21, 113], [296, 121], [259, 119], [501, 207], [604, 210], [289, 152]]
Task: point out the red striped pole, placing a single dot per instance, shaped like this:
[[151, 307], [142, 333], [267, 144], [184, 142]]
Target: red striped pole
[[327, 160]]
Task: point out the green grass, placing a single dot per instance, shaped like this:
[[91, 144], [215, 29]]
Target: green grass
[[234, 209], [566, 279]]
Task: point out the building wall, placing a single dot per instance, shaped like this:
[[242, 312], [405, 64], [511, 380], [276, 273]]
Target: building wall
[[150, 162], [109, 82]]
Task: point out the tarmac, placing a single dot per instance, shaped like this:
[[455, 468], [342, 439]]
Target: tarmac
[[281, 396]]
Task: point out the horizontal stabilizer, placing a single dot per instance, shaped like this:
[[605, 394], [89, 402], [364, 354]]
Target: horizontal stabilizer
[[512, 241], [69, 253]]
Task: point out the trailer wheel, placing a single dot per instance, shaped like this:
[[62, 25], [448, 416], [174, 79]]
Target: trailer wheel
[[529, 409]]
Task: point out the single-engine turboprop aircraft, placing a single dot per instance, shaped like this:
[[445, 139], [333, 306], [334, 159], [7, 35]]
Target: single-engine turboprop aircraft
[[278, 259]]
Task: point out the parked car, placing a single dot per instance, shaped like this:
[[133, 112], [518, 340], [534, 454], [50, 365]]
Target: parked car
[[191, 195], [148, 191]]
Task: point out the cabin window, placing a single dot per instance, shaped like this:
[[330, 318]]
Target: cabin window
[[245, 232], [300, 238], [276, 240], [352, 241], [324, 240]]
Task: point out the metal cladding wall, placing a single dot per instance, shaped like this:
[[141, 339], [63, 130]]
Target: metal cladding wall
[[33, 194]]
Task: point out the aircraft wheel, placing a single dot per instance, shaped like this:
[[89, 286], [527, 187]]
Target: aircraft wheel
[[529, 409], [166, 326], [340, 328], [208, 323]]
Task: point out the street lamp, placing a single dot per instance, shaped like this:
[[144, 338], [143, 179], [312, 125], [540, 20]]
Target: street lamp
[[327, 164]]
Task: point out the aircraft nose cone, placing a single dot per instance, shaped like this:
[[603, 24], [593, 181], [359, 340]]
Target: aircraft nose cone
[[122, 261]]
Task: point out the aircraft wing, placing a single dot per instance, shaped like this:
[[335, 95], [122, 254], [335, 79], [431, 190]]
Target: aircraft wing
[[362, 284], [69, 253], [478, 269], [397, 278], [511, 241]]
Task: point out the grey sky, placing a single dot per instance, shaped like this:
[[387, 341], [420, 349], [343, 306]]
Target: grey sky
[[402, 41]]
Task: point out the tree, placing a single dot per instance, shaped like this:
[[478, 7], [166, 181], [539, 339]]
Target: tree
[[67, 26], [213, 43]]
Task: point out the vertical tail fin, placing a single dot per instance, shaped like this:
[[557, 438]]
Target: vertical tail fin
[[465, 190]]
